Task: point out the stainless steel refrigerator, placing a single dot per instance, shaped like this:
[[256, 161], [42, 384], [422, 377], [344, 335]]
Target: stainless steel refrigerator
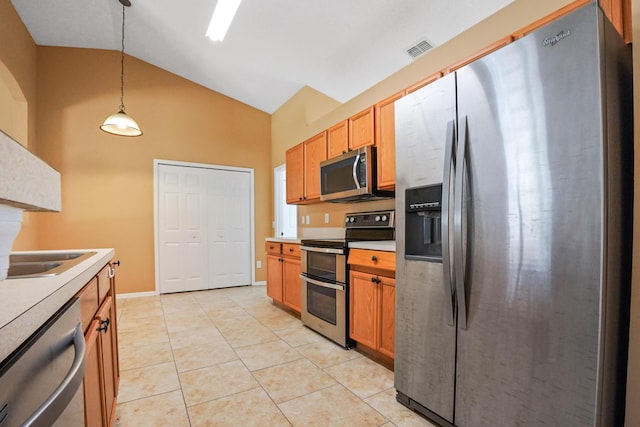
[[514, 205]]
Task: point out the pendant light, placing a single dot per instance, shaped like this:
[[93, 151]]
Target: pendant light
[[120, 123]]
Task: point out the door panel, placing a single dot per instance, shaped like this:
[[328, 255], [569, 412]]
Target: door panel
[[425, 342], [204, 229], [534, 230], [229, 207], [181, 219]]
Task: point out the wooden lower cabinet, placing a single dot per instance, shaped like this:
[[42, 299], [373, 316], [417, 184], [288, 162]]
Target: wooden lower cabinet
[[93, 407], [292, 293], [387, 317], [283, 274], [102, 373], [109, 362], [274, 277], [372, 296]]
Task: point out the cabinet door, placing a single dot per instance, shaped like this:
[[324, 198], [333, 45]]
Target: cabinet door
[[114, 332], [92, 383], [338, 139], [361, 131], [363, 309], [386, 141], [274, 277], [292, 287], [315, 151], [387, 315], [104, 316], [295, 174]]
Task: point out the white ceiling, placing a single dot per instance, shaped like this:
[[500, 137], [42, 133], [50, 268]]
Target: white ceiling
[[273, 47]]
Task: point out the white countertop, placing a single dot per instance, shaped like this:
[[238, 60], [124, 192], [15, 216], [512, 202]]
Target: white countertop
[[282, 240], [27, 303], [378, 245]]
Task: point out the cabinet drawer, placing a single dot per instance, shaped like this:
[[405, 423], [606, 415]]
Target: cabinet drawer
[[273, 248], [88, 302], [291, 249], [381, 260]]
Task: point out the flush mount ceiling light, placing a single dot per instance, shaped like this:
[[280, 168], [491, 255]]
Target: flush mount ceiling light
[[222, 16], [120, 123]]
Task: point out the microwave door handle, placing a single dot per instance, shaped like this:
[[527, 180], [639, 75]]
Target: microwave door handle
[[355, 171]]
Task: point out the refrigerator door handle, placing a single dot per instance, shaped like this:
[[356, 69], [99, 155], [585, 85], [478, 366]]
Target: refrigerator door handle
[[449, 282], [458, 255]]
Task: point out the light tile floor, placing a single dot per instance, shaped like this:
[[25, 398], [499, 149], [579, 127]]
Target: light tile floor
[[229, 357]]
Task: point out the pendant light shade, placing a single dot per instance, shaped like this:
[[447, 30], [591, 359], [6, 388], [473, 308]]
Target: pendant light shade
[[120, 123]]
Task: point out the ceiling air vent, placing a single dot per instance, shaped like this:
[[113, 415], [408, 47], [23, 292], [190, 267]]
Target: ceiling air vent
[[419, 48]]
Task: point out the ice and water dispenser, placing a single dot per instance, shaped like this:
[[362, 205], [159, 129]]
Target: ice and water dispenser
[[423, 226]]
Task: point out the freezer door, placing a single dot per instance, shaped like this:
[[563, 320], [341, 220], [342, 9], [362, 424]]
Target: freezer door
[[533, 229], [425, 331]]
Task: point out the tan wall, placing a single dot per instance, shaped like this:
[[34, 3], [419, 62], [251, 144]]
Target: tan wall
[[286, 133], [107, 181]]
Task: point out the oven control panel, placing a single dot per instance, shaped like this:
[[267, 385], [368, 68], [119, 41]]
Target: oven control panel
[[385, 219]]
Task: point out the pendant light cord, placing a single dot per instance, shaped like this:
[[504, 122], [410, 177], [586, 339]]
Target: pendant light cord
[[122, 66]]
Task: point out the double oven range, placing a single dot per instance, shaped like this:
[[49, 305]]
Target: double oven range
[[325, 273]]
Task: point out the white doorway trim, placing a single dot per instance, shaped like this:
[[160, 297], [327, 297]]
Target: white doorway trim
[[156, 164]]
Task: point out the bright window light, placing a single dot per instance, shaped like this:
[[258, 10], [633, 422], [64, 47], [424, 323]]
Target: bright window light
[[221, 19]]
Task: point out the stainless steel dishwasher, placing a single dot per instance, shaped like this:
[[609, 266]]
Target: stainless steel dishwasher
[[41, 381]]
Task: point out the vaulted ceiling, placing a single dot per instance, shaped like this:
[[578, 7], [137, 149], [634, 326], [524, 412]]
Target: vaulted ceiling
[[273, 47]]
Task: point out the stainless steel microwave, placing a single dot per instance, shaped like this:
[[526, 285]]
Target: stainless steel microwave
[[351, 177]]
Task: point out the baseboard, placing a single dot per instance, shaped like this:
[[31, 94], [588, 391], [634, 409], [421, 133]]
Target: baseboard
[[261, 283], [136, 295]]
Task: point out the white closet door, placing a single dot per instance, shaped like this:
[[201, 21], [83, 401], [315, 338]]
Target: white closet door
[[182, 229], [229, 228]]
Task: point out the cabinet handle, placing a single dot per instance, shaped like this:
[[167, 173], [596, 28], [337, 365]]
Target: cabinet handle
[[104, 325], [375, 280], [374, 258], [290, 249]]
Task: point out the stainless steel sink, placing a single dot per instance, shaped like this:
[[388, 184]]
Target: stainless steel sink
[[43, 257], [22, 266]]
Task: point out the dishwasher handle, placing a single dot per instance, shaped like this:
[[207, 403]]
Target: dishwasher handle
[[64, 393]]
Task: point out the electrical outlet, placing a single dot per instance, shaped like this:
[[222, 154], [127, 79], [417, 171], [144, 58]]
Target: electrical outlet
[[326, 218], [308, 222], [302, 220], [258, 264]]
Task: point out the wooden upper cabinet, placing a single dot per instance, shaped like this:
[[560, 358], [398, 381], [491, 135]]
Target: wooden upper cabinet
[[386, 141], [295, 174], [338, 139], [619, 13], [315, 151], [361, 129], [303, 169]]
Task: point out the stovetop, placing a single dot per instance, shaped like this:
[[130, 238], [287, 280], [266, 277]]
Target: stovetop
[[362, 226]]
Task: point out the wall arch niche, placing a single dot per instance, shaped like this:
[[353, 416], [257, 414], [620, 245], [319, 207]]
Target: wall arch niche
[[13, 107]]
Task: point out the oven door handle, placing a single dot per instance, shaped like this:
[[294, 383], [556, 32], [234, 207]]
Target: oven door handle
[[323, 284], [322, 250]]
